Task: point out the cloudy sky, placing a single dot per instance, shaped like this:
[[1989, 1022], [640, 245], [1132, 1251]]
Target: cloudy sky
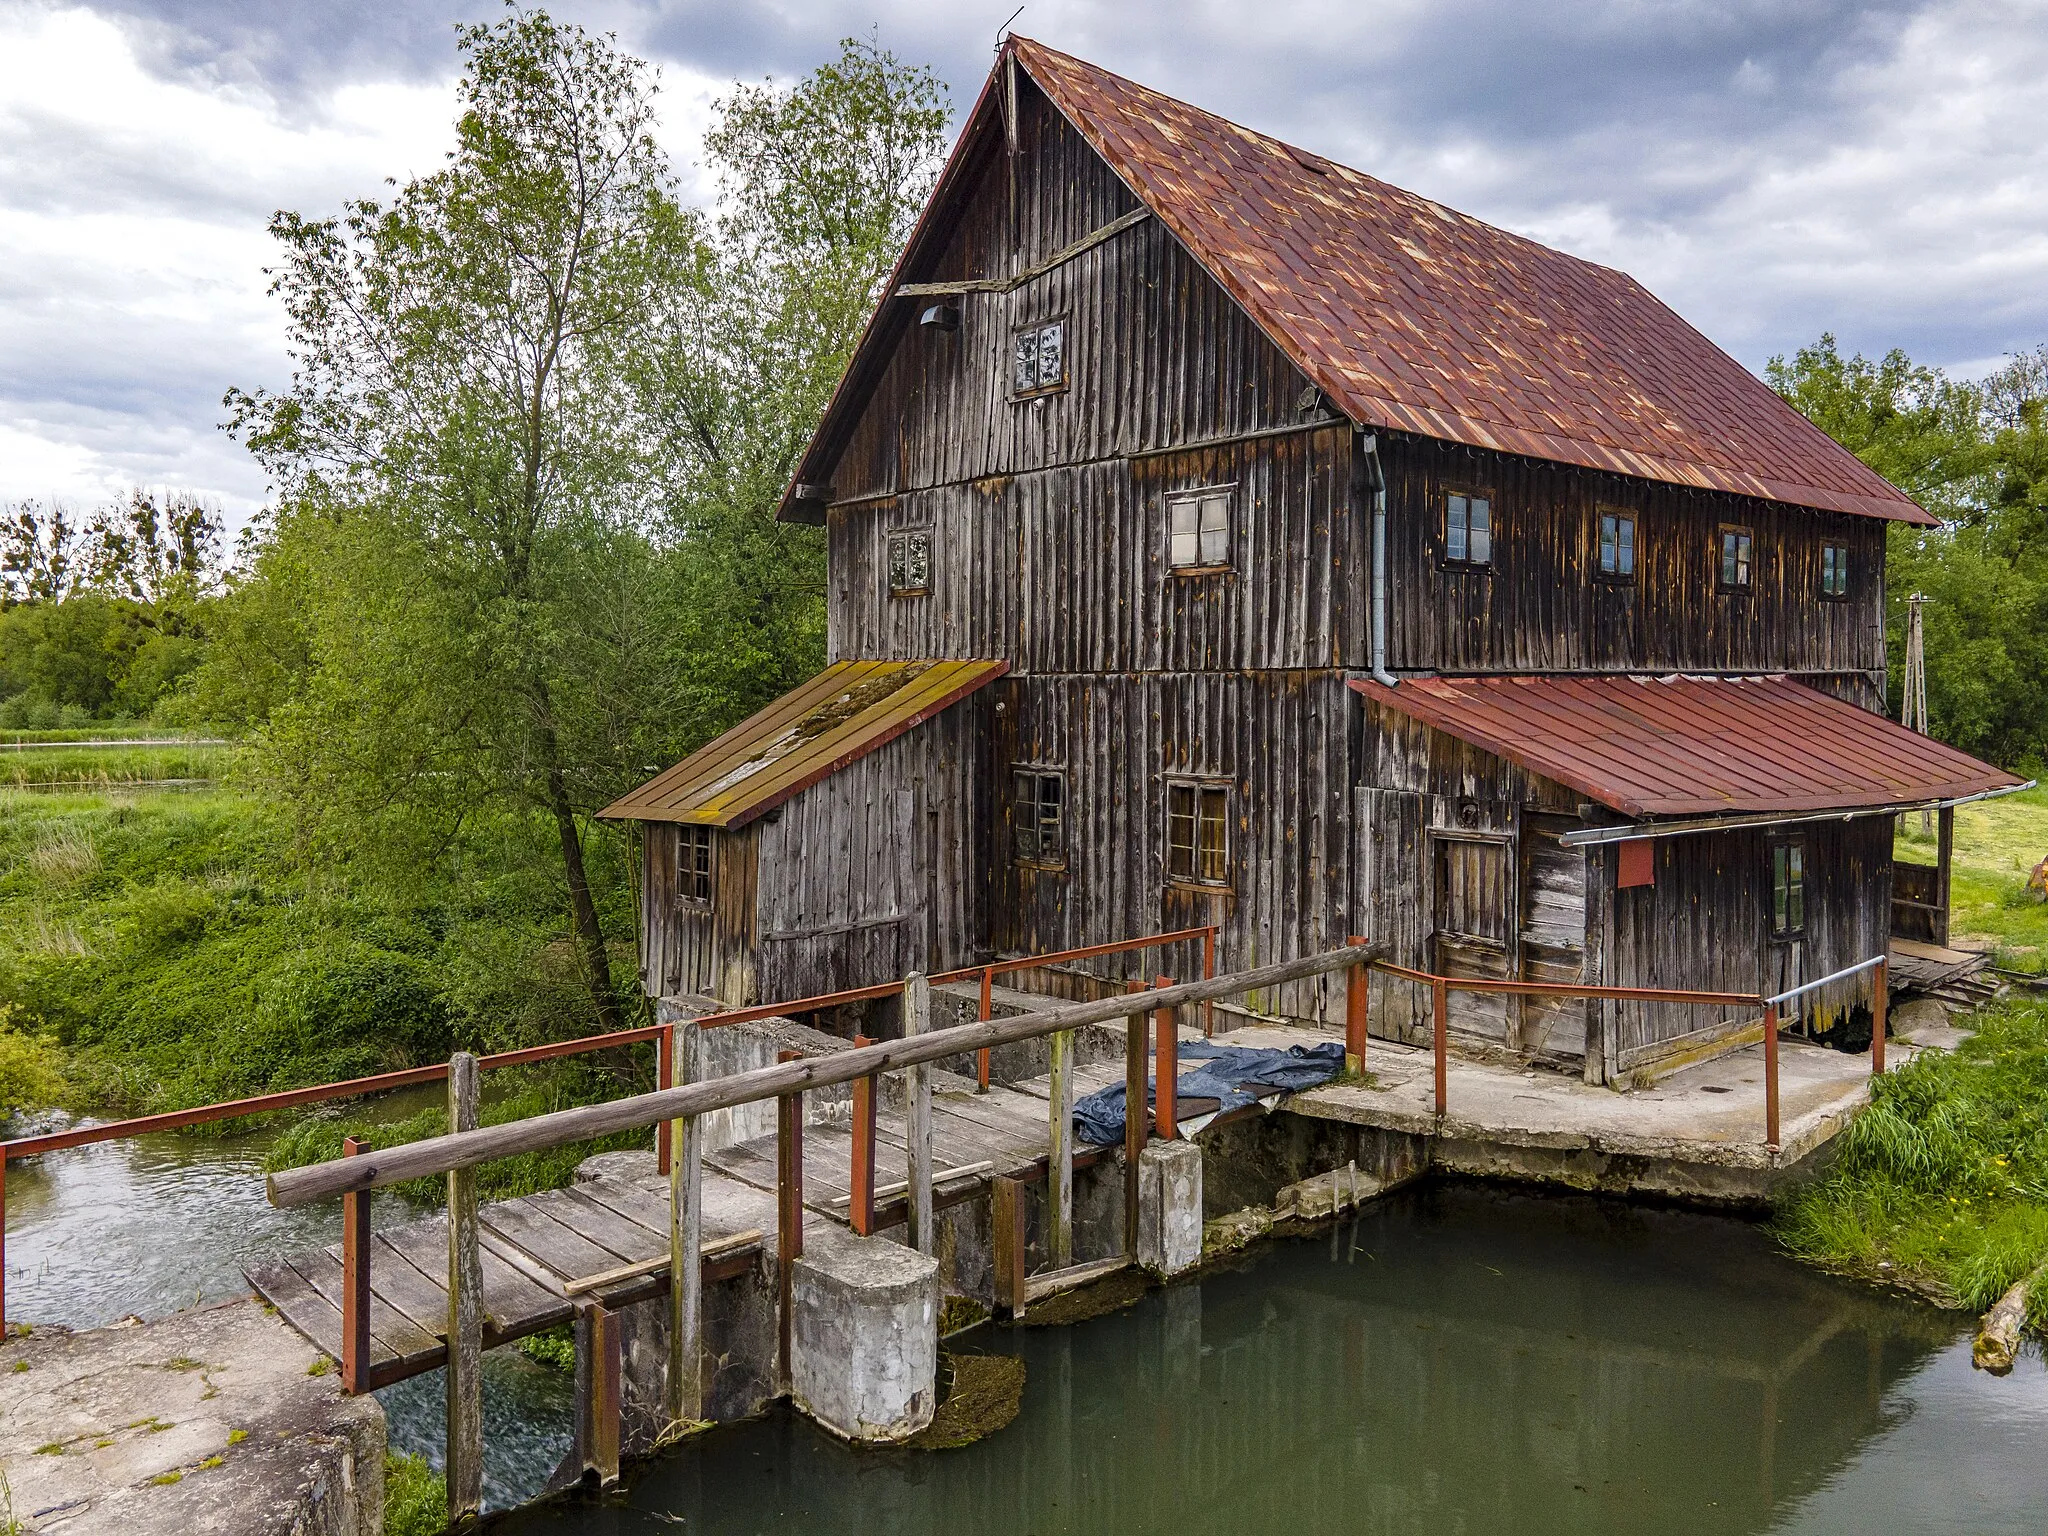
[[1772, 168]]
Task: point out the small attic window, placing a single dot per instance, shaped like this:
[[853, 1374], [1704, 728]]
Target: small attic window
[[1038, 360], [910, 562]]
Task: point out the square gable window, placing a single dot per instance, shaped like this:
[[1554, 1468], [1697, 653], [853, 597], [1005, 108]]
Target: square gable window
[[1468, 530], [1038, 360], [1834, 571], [1198, 529], [910, 562], [693, 864]]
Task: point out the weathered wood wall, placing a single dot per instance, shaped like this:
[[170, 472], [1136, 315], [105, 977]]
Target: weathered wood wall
[[694, 947]]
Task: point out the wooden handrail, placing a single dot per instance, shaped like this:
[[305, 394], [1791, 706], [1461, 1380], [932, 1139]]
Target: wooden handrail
[[444, 1154]]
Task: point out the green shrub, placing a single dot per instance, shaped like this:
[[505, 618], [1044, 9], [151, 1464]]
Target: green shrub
[[31, 1072], [415, 1497]]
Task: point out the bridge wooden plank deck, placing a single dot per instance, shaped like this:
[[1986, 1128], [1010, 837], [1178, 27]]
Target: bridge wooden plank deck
[[536, 1248]]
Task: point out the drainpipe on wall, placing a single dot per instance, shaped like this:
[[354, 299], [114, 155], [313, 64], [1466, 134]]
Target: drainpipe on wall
[[1376, 486]]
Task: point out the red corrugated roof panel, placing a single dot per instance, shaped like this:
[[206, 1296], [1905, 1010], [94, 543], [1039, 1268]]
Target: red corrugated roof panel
[[1411, 316], [1694, 746]]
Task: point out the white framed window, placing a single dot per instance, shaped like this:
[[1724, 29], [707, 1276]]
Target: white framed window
[[1038, 359], [1198, 528], [1468, 529], [910, 562]]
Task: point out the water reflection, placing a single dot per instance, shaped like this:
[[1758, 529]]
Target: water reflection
[[1461, 1359]]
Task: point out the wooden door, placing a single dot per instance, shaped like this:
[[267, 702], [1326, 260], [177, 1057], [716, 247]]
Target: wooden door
[[1552, 941], [1474, 927]]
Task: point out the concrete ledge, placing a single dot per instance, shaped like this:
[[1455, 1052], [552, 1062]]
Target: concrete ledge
[[205, 1422]]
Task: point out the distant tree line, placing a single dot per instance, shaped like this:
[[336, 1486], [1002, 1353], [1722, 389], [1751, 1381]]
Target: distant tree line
[[103, 614], [1974, 453]]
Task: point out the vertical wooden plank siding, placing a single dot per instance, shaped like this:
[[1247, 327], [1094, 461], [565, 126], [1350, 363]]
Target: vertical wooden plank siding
[[465, 1442]]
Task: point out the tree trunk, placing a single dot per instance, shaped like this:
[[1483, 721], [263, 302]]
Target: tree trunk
[[582, 910]]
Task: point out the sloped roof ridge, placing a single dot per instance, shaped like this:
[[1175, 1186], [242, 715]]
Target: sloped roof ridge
[[1589, 368]]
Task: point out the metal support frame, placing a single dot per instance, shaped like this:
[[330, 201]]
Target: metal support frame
[[1134, 1123], [981, 1057], [1880, 1008], [1208, 974], [1771, 1077], [598, 1362], [1357, 999], [789, 1216], [1166, 1070], [1440, 1040], [860, 1211], [665, 1077], [355, 1281]]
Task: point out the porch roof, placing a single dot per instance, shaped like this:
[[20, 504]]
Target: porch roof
[[1694, 746], [839, 716]]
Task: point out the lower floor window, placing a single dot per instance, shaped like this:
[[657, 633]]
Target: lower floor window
[[1788, 889], [1038, 816], [1198, 833], [693, 864]]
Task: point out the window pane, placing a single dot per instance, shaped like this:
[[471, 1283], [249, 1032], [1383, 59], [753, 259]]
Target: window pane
[[1610, 547], [917, 560], [1215, 836], [1024, 815], [1778, 893], [1742, 559], [1454, 528], [1796, 887], [1052, 353], [1180, 831], [1186, 550], [1482, 531], [896, 560], [1051, 798], [1627, 564], [1024, 364], [1215, 530]]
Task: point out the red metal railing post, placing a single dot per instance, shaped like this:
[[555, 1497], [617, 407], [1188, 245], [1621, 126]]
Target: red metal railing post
[[1166, 1066], [1880, 997], [355, 1281], [1441, 1036], [1771, 1076], [789, 1208], [861, 1208], [1134, 1120], [1209, 974], [988, 982], [1357, 990], [665, 1077]]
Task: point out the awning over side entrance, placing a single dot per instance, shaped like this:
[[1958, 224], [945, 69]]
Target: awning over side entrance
[[839, 716], [1694, 746]]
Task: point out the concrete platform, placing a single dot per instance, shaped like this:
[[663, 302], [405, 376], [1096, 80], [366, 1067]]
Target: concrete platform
[[220, 1420], [1697, 1134]]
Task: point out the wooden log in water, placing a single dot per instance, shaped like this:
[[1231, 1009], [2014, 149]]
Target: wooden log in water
[[1998, 1339]]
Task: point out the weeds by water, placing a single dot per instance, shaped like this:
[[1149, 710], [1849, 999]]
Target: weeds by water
[[415, 1497], [1942, 1183]]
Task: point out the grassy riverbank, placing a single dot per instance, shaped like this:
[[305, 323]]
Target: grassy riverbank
[[1998, 842], [159, 949], [1942, 1183]]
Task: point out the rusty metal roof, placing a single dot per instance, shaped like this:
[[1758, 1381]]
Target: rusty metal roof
[[844, 713], [1416, 318], [1694, 746]]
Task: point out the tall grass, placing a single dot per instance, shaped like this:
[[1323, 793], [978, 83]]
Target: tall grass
[[1942, 1183]]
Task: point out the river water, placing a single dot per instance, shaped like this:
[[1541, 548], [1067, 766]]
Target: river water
[[1460, 1358]]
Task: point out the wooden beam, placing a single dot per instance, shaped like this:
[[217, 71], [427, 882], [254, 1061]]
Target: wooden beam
[[1134, 1126], [683, 1390], [355, 1282], [866, 1091], [1006, 1223], [441, 1154], [465, 1452], [1058, 258], [1166, 1070], [917, 1127], [789, 1217]]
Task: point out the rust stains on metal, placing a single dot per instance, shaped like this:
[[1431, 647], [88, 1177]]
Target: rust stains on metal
[[1689, 746], [839, 716], [1415, 318]]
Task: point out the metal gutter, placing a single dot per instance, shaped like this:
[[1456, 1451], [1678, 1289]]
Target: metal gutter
[[1593, 837]]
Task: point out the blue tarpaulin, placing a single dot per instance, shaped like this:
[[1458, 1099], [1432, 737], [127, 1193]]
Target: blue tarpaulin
[[1232, 1075]]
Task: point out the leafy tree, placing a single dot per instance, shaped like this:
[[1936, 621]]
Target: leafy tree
[[1976, 455], [463, 466]]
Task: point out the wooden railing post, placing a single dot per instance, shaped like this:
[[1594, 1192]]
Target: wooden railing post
[[1440, 1033], [3, 1244], [683, 1394], [1357, 991], [597, 1391], [1880, 999], [665, 1077], [355, 1281], [1059, 1165], [917, 1116], [465, 1445], [1209, 974], [1166, 1070], [1134, 1123], [789, 1215], [1771, 1077], [860, 1210], [988, 1007]]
